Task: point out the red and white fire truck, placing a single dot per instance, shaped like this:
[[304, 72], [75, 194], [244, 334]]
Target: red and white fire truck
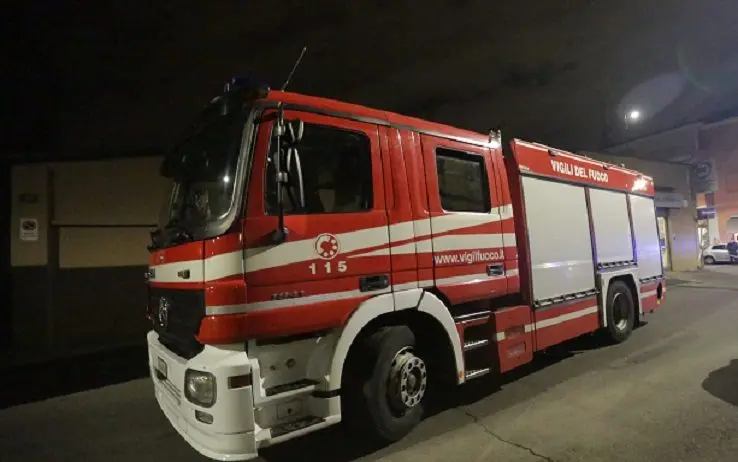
[[319, 261]]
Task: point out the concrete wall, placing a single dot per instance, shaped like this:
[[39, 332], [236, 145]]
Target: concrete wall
[[682, 223], [6, 278], [81, 282], [28, 259], [720, 142], [30, 186]]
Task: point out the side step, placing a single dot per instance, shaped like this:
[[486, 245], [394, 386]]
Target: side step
[[471, 317], [474, 344], [305, 422], [476, 373], [288, 387], [476, 335]]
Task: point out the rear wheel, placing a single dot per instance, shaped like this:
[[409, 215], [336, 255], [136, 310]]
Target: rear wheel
[[387, 390], [621, 313]]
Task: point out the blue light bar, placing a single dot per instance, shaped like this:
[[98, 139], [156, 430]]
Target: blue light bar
[[244, 82]]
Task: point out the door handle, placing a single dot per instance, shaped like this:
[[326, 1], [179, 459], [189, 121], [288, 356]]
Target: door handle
[[496, 269], [375, 282]]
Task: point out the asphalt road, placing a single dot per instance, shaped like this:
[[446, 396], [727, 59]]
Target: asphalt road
[[669, 393]]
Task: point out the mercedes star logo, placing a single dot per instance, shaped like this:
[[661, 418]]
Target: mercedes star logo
[[163, 314]]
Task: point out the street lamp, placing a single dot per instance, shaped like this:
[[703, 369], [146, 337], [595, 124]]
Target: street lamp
[[632, 117]]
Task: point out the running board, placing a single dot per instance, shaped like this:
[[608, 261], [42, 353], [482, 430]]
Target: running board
[[301, 424], [474, 344], [476, 373]]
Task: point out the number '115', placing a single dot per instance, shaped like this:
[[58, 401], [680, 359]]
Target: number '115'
[[328, 267]]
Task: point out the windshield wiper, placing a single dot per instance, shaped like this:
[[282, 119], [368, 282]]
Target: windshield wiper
[[179, 233], [155, 236], [180, 236], [175, 234]]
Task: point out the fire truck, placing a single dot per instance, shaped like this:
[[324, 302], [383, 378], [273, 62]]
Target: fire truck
[[318, 261]]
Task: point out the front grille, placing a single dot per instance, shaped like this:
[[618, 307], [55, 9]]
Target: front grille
[[177, 329]]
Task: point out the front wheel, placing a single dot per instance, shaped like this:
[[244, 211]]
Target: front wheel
[[709, 260], [388, 398], [621, 312]]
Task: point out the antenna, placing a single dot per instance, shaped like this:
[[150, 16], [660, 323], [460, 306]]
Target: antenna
[[294, 68]]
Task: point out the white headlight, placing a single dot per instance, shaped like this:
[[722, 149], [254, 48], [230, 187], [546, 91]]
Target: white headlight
[[200, 387]]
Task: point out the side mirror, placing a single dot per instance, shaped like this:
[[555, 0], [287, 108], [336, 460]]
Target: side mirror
[[296, 130], [296, 133]]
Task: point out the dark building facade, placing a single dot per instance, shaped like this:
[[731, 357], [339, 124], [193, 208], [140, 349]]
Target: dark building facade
[[78, 236]]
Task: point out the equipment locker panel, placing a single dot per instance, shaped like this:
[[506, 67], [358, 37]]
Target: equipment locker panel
[[646, 234], [611, 224], [559, 237]]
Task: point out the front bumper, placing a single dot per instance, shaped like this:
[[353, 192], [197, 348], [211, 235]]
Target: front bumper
[[231, 435]]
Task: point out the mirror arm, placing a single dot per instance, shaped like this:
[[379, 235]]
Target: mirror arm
[[289, 150], [294, 154], [280, 234]]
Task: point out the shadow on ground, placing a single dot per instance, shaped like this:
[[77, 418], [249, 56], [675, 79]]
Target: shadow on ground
[[39, 381], [723, 383]]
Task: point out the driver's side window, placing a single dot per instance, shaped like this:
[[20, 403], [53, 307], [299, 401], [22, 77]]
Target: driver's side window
[[336, 171]]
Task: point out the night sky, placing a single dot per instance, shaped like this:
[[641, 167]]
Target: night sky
[[113, 78]]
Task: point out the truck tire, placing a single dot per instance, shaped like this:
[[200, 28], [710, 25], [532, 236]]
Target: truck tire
[[621, 312], [387, 400]]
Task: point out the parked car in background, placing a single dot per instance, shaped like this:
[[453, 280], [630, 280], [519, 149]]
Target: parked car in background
[[716, 253]]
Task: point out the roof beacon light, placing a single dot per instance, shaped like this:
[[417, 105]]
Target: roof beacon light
[[243, 82]]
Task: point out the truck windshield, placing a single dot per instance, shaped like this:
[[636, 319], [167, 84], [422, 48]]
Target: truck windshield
[[202, 168]]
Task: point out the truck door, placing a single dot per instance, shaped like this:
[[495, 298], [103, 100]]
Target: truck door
[[336, 253], [466, 230]]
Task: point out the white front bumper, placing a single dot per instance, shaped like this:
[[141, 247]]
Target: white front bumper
[[231, 436]]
